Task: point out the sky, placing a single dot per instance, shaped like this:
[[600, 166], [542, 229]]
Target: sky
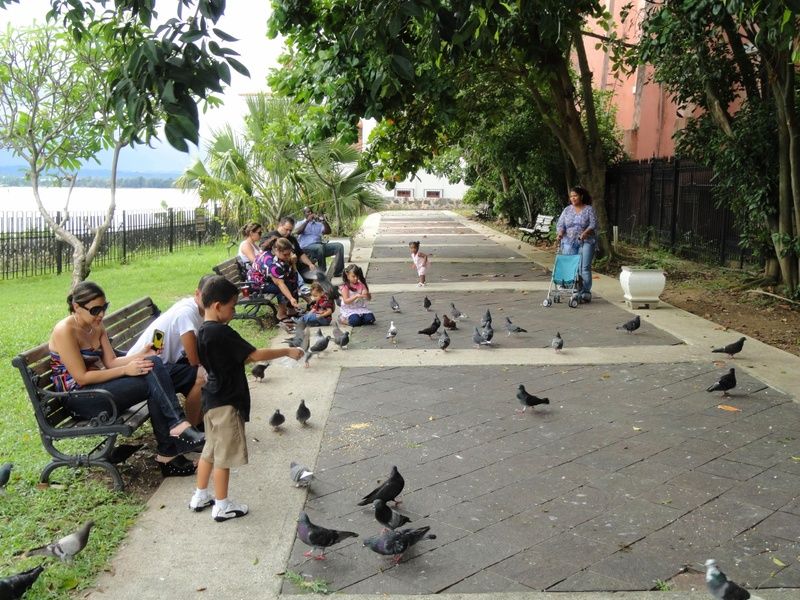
[[244, 19]]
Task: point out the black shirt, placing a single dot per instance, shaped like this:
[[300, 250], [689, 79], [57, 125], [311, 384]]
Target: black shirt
[[223, 353], [295, 244]]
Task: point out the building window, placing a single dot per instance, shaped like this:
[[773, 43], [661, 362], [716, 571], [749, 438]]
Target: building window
[[433, 193], [402, 193]]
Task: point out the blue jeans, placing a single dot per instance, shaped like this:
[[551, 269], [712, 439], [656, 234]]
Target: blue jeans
[[359, 320], [586, 250], [320, 251], [312, 319], [156, 387]]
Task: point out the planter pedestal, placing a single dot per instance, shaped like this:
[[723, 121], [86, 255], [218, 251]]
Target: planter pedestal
[[642, 287]]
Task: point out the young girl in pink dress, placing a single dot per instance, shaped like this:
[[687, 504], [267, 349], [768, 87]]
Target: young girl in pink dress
[[355, 295], [421, 262]]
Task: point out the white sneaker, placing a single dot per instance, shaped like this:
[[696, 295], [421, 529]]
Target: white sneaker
[[198, 503], [232, 510], [420, 284]]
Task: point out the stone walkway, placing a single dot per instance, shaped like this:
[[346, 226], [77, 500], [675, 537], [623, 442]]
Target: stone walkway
[[630, 475]]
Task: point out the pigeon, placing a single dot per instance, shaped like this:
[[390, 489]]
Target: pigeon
[[427, 304], [5, 474], [430, 330], [632, 325], [448, 324], [479, 340], [444, 340], [319, 537], [511, 328], [486, 318], [488, 332], [276, 420], [258, 371], [67, 547], [343, 341], [395, 543], [455, 313], [436, 320], [296, 341], [388, 517], [725, 383], [303, 414], [320, 345], [527, 399], [331, 291], [392, 333], [731, 349], [558, 342], [300, 474], [386, 491], [720, 586], [15, 586], [394, 305]]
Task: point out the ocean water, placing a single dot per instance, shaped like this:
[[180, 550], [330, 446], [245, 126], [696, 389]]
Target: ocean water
[[20, 199]]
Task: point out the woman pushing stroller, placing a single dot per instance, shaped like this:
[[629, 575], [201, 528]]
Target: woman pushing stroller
[[575, 232]]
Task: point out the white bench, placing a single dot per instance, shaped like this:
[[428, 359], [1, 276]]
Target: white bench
[[538, 231]]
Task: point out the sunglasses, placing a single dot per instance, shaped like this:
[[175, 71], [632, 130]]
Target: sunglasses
[[96, 310]]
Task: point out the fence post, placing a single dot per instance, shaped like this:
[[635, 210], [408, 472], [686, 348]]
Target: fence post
[[676, 181], [59, 258], [171, 214], [724, 236], [124, 237]]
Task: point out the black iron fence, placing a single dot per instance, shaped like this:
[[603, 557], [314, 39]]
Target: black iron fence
[[672, 202], [28, 246]]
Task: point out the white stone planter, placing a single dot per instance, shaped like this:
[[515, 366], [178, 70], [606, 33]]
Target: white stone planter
[[642, 287], [347, 243]]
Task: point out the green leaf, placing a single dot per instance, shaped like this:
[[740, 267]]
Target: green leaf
[[224, 36], [237, 66], [403, 67], [778, 561]]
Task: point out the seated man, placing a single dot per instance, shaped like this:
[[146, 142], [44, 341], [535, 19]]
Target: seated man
[[179, 354], [309, 232], [306, 268]]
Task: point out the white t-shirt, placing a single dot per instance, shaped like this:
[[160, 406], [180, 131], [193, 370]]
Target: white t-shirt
[[182, 317]]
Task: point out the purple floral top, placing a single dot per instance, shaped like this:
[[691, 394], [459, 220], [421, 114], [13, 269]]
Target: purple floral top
[[574, 223]]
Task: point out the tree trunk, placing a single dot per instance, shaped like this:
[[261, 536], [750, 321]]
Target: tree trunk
[[112, 204]]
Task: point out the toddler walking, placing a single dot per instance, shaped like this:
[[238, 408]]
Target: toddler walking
[[355, 294], [420, 260], [226, 397]]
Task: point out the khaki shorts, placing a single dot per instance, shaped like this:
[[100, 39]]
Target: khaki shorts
[[226, 444]]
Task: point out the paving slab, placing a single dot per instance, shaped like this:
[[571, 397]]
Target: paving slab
[[463, 250], [444, 272]]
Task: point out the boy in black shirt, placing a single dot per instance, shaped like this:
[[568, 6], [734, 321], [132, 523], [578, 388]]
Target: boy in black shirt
[[226, 397]]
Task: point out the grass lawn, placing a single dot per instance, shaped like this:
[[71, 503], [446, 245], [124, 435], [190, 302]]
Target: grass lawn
[[30, 516]]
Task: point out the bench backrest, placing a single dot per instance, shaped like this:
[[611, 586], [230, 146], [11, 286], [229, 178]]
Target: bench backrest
[[123, 326], [231, 270], [543, 222]]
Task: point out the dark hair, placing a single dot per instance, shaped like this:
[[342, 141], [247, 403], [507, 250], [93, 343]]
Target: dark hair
[[203, 280], [83, 293], [250, 228], [282, 244], [268, 243], [307, 209], [287, 219], [414, 245], [316, 287], [218, 289], [354, 268], [586, 197]]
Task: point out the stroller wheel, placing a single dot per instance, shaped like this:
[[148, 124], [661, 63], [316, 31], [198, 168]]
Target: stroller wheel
[[573, 302], [547, 302]]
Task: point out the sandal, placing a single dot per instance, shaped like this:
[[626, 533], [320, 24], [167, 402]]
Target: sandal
[[123, 452], [180, 466]]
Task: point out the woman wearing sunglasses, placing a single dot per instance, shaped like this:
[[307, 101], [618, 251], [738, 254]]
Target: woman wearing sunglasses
[[82, 358]]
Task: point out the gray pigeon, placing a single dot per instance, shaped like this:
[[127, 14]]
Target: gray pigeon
[[725, 383], [427, 303], [386, 491], [444, 340], [258, 371], [15, 586], [5, 474], [320, 345], [478, 339], [392, 333], [67, 547], [296, 341], [488, 332], [395, 543], [455, 313], [388, 517], [276, 420], [732, 348], [303, 414], [300, 474], [558, 342], [527, 399], [511, 328], [319, 537], [394, 305], [343, 340], [486, 318], [632, 325], [720, 586]]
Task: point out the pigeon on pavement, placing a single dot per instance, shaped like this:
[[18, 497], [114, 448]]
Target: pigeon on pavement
[[479, 340], [394, 305], [15, 586], [731, 349], [343, 339], [632, 325], [303, 414], [486, 318], [392, 333], [388, 517], [320, 345], [448, 323], [725, 383], [431, 329], [488, 332], [5, 474], [258, 371], [67, 547], [558, 342], [276, 420], [395, 543], [511, 328], [527, 399], [427, 303], [300, 474], [319, 537], [296, 341], [720, 586], [455, 313], [386, 491], [444, 340]]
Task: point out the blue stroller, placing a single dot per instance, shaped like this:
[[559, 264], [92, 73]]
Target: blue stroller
[[565, 280]]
